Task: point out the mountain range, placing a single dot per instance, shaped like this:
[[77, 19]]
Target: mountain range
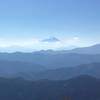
[[92, 69], [95, 49], [52, 61], [51, 75], [50, 64], [13, 67], [77, 88]]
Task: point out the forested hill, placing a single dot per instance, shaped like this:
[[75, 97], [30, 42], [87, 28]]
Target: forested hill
[[78, 88]]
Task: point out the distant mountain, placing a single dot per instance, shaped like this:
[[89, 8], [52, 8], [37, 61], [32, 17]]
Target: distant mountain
[[51, 61], [66, 73], [95, 49], [78, 88], [57, 59], [13, 67]]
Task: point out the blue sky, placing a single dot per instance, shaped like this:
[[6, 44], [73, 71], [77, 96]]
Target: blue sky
[[73, 22]]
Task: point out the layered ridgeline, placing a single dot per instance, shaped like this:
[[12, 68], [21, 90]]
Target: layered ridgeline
[[53, 64], [13, 67], [92, 69], [95, 49], [57, 59], [78, 88]]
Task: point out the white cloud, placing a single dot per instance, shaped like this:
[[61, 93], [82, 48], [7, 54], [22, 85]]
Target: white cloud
[[36, 44], [51, 39], [17, 42]]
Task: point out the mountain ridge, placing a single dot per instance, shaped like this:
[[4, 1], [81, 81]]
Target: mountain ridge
[[78, 88]]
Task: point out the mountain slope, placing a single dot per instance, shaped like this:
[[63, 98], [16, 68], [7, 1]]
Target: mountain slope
[[57, 59], [79, 88], [67, 73], [95, 49], [13, 67], [51, 61]]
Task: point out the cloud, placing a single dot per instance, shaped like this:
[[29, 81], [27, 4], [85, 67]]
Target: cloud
[[50, 40], [35, 44], [73, 40], [17, 42]]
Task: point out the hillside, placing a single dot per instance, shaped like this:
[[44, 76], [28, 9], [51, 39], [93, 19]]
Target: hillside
[[12, 67], [51, 61], [95, 49], [79, 88], [92, 69]]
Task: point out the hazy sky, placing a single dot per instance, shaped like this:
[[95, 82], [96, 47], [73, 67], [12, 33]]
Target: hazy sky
[[28, 23]]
